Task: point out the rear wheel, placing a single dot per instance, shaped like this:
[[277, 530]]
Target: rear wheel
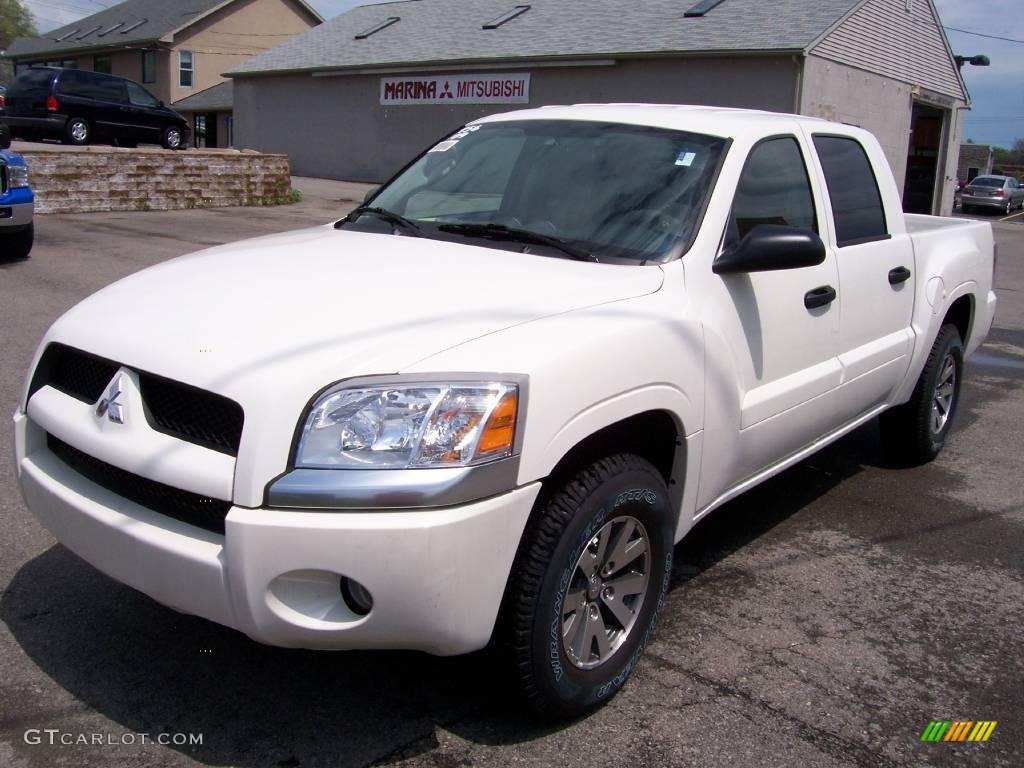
[[916, 432], [173, 138], [18, 245], [588, 585], [78, 131]]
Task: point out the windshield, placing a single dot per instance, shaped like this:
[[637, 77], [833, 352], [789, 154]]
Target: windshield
[[988, 181], [605, 190]]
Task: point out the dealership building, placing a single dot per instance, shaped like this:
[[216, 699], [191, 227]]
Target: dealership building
[[359, 96]]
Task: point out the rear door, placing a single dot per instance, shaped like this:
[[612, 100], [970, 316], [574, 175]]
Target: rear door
[[875, 258], [110, 105]]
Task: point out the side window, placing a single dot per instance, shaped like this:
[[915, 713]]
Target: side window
[[107, 89], [773, 189], [72, 84], [139, 96], [853, 189]]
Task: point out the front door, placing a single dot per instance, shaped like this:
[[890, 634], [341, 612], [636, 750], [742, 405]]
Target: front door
[[761, 336]]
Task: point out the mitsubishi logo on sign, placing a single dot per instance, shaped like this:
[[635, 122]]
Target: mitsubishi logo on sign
[[109, 406], [487, 88]]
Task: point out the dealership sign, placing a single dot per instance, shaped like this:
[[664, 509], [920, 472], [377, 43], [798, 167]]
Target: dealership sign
[[456, 89]]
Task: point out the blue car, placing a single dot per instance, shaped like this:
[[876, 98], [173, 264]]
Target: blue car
[[17, 203]]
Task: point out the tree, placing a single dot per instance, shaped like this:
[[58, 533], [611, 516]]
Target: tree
[[15, 22]]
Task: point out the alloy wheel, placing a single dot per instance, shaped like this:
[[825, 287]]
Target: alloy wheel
[[606, 592], [945, 391]]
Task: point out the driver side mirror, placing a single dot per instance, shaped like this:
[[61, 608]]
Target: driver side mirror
[[370, 194], [770, 247], [5, 137]]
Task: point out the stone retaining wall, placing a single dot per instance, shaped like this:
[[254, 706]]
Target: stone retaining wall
[[80, 180]]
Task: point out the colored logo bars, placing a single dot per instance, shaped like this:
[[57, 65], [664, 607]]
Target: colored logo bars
[[958, 730]]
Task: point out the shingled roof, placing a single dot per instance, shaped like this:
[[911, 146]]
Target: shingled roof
[[219, 98], [127, 23], [447, 31]]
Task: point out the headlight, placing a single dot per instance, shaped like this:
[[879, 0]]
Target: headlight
[[17, 175], [431, 424]]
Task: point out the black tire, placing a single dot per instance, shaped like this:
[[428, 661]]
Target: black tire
[[609, 493], [77, 132], [173, 138], [18, 245], [909, 432]]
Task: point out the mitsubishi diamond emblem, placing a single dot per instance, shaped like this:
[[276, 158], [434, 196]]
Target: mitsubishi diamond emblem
[[109, 406]]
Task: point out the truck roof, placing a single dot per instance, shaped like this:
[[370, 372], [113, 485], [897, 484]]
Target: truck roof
[[715, 121]]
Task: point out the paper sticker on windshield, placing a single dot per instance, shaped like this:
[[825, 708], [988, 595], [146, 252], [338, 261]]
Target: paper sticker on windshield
[[444, 146], [685, 158]]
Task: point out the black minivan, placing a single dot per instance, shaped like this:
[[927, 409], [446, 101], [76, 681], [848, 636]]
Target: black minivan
[[79, 107]]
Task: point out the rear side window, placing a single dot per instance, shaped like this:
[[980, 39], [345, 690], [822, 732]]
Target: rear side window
[[32, 79], [853, 189], [87, 85], [773, 189]]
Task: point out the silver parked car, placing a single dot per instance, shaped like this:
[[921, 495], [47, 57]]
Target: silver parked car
[[1003, 193]]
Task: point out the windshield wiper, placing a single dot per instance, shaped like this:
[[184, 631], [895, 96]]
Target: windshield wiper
[[388, 216], [510, 234]]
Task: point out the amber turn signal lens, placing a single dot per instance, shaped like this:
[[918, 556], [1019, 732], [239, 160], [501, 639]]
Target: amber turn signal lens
[[500, 430]]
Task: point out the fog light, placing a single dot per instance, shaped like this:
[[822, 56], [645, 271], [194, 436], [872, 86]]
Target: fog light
[[356, 596]]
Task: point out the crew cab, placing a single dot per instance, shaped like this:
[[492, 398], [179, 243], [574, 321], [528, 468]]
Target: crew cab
[[17, 202], [484, 406]]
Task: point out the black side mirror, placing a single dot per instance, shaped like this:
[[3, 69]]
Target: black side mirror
[[768, 247], [5, 137], [370, 194]]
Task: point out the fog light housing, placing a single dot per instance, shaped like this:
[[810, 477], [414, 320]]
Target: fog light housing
[[356, 596]]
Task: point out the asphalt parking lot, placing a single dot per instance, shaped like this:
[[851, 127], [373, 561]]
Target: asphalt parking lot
[[821, 620]]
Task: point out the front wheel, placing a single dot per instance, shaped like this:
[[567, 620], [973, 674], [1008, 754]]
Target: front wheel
[[916, 432], [19, 244], [588, 585], [172, 138]]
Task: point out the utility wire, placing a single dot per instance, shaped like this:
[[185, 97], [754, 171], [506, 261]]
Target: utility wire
[[982, 34]]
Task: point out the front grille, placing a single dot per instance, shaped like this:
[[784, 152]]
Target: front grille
[[192, 414], [185, 506], [74, 373], [176, 409]]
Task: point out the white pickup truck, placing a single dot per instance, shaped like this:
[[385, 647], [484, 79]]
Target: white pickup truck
[[484, 406]]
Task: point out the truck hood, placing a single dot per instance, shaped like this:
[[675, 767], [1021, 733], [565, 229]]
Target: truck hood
[[301, 310]]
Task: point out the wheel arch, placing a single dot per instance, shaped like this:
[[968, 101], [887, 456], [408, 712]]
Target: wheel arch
[[655, 434], [961, 315]]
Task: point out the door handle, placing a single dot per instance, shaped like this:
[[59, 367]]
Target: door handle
[[898, 275], [820, 297]]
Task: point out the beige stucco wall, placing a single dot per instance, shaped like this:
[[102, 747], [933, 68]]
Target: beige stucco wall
[[230, 37]]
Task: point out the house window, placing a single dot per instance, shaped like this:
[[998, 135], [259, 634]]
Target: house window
[[70, 64], [185, 69], [101, 64], [149, 66]]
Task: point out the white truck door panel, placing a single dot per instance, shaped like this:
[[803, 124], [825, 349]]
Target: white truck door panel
[[761, 337], [875, 259]]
